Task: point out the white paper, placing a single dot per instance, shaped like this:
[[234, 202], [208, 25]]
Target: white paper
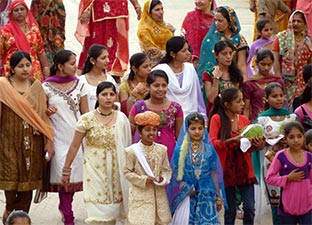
[[245, 144]]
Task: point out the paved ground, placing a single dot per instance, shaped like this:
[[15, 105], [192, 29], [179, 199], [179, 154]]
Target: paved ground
[[46, 213]]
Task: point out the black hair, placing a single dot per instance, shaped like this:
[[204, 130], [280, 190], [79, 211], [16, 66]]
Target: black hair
[[94, 52], [226, 15], [308, 136], [307, 72], [136, 60], [291, 125], [268, 90], [174, 44], [261, 24], [17, 214], [195, 117], [155, 74], [60, 58], [227, 95], [102, 86], [263, 53], [153, 4], [16, 58], [234, 72]]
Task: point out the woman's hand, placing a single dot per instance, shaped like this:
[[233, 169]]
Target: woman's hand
[[149, 180], [138, 12], [140, 89], [295, 175], [219, 203], [50, 149], [66, 177], [51, 110], [85, 17]]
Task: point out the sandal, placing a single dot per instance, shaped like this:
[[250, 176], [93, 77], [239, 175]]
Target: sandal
[[5, 216]]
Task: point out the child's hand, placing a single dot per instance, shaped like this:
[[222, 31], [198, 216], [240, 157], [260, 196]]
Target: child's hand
[[149, 180], [193, 192], [295, 175]]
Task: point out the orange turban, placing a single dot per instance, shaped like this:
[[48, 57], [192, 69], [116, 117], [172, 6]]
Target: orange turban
[[147, 118]]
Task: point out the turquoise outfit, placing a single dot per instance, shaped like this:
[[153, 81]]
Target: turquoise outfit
[[207, 59]]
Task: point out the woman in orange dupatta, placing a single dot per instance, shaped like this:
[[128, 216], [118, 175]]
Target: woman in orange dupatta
[[25, 134], [22, 34], [106, 22]]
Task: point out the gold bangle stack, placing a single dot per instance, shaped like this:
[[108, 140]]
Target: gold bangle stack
[[66, 172]]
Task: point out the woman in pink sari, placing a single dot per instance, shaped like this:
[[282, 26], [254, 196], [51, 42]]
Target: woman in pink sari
[[106, 22]]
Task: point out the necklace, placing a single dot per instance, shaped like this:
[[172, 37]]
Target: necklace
[[103, 114], [294, 158]]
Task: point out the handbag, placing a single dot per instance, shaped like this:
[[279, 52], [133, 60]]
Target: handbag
[[307, 121]]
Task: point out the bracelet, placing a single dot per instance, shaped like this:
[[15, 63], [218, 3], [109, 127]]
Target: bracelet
[[66, 168], [66, 175]]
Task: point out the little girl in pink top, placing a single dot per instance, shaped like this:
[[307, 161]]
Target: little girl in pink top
[[291, 170]]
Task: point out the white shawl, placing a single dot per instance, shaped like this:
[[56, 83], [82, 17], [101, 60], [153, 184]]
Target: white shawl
[[186, 95]]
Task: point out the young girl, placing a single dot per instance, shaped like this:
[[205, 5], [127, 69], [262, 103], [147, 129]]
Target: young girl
[[196, 192], [272, 121], [264, 40], [18, 217], [253, 88], [94, 72], [107, 134], [224, 75], [291, 170], [148, 171], [67, 101], [225, 124], [171, 114]]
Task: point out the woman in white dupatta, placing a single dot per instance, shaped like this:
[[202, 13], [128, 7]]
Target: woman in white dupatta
[[107, 133], [184, 87]]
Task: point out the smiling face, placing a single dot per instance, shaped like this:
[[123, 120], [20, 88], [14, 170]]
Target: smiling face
[[158, 89], [276, 98], [148, 134], [106, 98], [225, 57], [22, 70], [157, 13]]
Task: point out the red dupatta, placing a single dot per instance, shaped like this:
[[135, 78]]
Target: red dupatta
[[12, 27]]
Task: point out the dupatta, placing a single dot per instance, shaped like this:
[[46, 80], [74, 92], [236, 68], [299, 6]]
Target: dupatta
[[31, 106]]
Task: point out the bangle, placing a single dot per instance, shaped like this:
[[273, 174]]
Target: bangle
[[66, 168], [217, 78]]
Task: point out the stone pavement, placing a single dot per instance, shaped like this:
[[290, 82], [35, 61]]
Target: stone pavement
[[46, 213]]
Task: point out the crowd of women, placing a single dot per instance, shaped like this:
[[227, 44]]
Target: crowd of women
[[169, 144]]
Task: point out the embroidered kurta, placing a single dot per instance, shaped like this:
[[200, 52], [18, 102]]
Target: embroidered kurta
[[64, 121], [103, 181], [148, 203]]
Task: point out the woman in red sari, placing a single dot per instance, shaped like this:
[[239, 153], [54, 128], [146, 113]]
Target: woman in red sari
[[22, 33], [106, 22], [196, 25]]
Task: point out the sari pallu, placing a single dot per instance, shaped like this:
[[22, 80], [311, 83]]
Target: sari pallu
[[293, 58], [109, 26]]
